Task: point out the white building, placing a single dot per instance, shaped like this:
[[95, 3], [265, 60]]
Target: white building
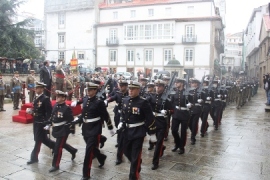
[[252, 42], [233, 53], [144, 35], [70, 26]]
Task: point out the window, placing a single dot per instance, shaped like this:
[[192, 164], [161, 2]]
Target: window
[[148, 55], [38, 40], [115, 15], [189, 55], [113, 55], [61, 18], [150, 12], [167, 54], [130, 55], [113, 34], [168, 11], [61, 55], [132, 13], [80, 55], [189, 31], [61, 41], [190, 10], [149, 31]]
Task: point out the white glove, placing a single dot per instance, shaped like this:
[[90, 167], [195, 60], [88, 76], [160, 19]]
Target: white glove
[[106, 102], [219, 96], [76, 119], [112, 132], [12, 92], [73, 104], [164, 112], [47, 127], [200, 100], [208, 98], [29, 110], [153, 138], [120, 125], [225, 95], [188, 105]]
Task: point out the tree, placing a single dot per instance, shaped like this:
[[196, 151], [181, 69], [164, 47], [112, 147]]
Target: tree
[[15, 39]]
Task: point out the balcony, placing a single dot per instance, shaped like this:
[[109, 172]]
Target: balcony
[[112, 42], [189, 39]]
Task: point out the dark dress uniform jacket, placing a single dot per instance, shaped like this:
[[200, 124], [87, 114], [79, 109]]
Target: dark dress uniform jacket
[[178, 99], [207, 103], [94, 108], [118, 98], [157, 106], [41, 113], [137, 110], [193, 99], [61, 113]]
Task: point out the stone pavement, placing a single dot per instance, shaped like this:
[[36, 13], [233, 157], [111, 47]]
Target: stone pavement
[[238, 150]]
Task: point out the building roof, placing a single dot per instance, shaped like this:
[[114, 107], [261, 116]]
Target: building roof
[[144, 3], [266, 21]]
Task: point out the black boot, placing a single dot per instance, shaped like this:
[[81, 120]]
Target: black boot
[[182, 151], [102, 160], [154, 167], [151, 146], [174, 149], [53, 169], [74, 154], [103, 139], [32, 161]]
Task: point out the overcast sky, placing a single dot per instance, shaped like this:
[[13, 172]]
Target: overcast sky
[[237, 15]]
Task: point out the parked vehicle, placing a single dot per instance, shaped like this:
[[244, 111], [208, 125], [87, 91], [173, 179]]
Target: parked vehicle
[[126, 75]]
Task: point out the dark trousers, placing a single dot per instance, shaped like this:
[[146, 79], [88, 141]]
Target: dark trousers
[[180, 141], [204, 117], [120, 148], [168, 118], [216, 114], [2, 97], [57, 153], [133, 151], [193, 125], [91, 151], [160, 133], [46, 141]]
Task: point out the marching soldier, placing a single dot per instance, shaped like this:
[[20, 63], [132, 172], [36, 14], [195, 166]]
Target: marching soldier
[[166, 79], [93, 113], [137, 119], [2, 93], [41, 111], [60, 76], [180, 116], [61, 119], [160, 110], [118, 98], [30, 85], [216, 104], [16, 86], [143, 82], [150, 90], [195, 109]]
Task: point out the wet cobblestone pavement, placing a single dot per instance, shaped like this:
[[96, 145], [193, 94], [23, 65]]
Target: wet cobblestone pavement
[[238, 150]]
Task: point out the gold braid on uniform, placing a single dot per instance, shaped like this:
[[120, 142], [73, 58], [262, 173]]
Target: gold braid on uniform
[[152, 128]]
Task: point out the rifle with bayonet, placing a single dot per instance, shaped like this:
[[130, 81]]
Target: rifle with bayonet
[[186, 92], [199, 91], [103, 89], [166, 94]]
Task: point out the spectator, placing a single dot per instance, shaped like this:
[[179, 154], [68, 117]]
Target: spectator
[[266, 82]]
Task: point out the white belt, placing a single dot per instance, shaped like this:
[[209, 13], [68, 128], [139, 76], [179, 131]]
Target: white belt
[[91, 120], [197, 104], [208, 102], [159, 114], [181, 108], [135, 125], [224, 100], [217, 99], [59, 124]]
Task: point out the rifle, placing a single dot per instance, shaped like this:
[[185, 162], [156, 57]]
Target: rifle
[[201, 86], [166, 94], [102, 90], [120, 130], [210, 85], [186, 92]]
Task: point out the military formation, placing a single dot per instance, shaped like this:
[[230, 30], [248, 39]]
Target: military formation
[[143, 107]]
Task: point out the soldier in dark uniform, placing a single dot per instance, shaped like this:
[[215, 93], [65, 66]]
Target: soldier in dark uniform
[[118, 98], [166, 79], [41, 111], [195, 109], [207, 97], [16, 86], [180, 116], [88, 77], [2, 93], [61, 119], [137, 119], [160, 110], [143, 82], [216, 104], [93, 113]]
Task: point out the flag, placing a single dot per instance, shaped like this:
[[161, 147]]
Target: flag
[[74, 54]]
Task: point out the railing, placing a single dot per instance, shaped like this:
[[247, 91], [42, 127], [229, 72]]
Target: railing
[[189, 39], [112, 42]]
